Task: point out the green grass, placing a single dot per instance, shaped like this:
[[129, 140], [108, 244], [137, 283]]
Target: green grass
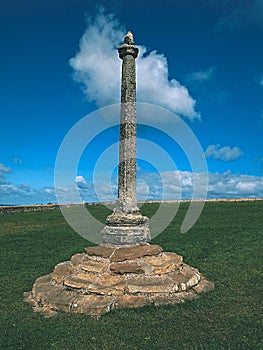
[[225, 245]]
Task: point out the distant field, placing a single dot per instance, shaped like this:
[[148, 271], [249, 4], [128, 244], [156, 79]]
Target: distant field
[[225, 245]]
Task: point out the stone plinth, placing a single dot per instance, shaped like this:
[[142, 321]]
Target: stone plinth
[[110, 277], [126, 229]]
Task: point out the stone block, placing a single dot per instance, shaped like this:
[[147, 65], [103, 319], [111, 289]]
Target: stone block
[[94, 266], [131, 301], [126, 267], [165, 263], [134, 252], [101, 251], [126, 235], [126, 219], [185, 278], [61, 271], [60, 299], [42, 284], [169, 299], [151, 284], [81, 280], [77, 259], [108, 284], [93, 305], [192, 273]]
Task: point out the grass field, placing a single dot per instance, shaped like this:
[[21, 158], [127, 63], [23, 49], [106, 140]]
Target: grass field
[[225, 245]]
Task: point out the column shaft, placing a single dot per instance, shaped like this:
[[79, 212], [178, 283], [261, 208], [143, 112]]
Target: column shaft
[[127, 148]]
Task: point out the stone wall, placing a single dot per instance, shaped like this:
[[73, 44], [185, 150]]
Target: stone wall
[[43, 207], [27, 208]]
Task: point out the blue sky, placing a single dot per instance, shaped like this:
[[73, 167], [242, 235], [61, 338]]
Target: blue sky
[[201, 60]]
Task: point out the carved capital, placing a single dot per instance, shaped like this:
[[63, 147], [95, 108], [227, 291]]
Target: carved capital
[[126, 49]]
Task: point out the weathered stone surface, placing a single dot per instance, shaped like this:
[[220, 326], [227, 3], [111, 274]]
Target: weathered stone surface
[[77, 259], [109, 285], [166, 262], [28, 298], [127, 153], [134, 252], [151, 284], [192, 274], [185, 278], [127, 226], [126, 219], [94, 266], [42, 284], [81, 280], [131, 301], [60, 299], [93, 305], [101, 251], [171, 299], [45, 311], [204, 286], [61, 271], [126, 235], [141, 275], [126, 267]]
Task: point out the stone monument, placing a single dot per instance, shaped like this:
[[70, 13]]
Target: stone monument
[[125, 271], [127, 225]]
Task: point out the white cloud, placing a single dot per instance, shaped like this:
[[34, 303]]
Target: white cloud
[[168, 185], [80, 179], [231, 185], [16, 160], [224, 153], [201, 76], [97, 67], [24, 194], [3, 171], [220, 185], [261, 80], [81, 183], [179, 184]]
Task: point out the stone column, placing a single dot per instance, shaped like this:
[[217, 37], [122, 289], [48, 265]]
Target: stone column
[[126, 202], [127, 226]]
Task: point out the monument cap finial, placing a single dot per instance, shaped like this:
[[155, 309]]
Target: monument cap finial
[[128, 39], [128, 48]]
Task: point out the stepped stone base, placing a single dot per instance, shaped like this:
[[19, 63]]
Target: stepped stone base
[[110, 277]]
